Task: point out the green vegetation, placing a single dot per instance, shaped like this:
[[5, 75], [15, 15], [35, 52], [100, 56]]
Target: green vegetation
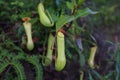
[[36, 51]]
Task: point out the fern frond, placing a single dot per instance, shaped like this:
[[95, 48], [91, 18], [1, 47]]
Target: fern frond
[[17, 66], [34, 60], [19, 70], [9, 57], [3, 66], [20, 56]]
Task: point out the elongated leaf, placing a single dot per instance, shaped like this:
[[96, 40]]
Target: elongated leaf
[[80, 2], [66, 18], [110, 74], [97, 74], [90, 76], [70, 5], [84, 12], [63, 20], [82, 60], [117, 64]]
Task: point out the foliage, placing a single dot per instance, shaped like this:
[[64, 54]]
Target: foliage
[[117, 64], [79, 38], [10, 59]]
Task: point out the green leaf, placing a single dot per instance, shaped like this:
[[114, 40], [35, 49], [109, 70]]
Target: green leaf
[[68, 54], [84, 12], [82, 60], [70, 5], [66, 18], [117, 66], [97, 74], [80, 2], [63, 20], [90, 76], [69, 43], [110, 74]]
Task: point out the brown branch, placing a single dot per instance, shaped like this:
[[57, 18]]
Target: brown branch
[[70, 25]]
